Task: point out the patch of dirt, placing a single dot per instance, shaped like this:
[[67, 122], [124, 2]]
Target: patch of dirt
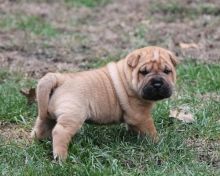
[[173, 34], [210, 96], [32, 66], [85, 34], [207, 150], [11, 132]]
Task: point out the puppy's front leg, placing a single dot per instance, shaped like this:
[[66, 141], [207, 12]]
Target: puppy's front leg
[[146, 126]]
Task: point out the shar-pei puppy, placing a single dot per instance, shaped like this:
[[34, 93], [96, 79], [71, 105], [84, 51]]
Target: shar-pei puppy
[[123, 91]]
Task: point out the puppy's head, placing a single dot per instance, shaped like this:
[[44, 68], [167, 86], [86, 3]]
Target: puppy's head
[[151, 72]]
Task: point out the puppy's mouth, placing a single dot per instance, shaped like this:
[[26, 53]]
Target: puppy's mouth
[[156, 89]]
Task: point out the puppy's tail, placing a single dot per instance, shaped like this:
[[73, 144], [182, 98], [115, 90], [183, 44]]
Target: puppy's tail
[[44, 90]]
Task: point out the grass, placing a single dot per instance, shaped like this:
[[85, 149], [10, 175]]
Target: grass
[[111, 150], [12, 104], [32, 24], [87, 3]]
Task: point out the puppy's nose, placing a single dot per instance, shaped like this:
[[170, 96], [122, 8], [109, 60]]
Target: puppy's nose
[[157, 82]]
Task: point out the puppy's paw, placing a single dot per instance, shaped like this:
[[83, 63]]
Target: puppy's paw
[[155, 139], [33, 134], [60, 156], [154, 136]]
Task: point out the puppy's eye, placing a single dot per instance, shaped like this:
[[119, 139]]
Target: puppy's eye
[[166, 71], [144, 72]]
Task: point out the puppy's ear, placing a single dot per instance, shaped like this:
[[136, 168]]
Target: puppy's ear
[[133, 59], [173, 59]]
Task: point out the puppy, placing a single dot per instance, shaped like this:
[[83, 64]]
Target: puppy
[[124, 91]]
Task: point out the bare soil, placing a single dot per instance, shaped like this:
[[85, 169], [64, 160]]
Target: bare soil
[[13, 132], [207, 150], [111, 30]]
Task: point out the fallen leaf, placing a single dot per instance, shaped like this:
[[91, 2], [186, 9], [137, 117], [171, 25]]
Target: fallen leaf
[[182, 114], [29, 94], [188, 45]]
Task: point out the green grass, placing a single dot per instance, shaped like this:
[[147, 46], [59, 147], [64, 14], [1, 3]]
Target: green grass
[[111, 150], [87, 3], [13, 105], [32, 24]]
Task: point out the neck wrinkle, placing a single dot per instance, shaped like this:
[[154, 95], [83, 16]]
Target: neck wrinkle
[[119, 86], [124, 80]]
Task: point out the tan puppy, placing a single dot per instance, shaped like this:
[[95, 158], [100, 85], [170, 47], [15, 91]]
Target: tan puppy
[[119, 92]]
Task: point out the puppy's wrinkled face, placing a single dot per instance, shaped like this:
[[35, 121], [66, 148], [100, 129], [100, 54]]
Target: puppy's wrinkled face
[[153, 72]]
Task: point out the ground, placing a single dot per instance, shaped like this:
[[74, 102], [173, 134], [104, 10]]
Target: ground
[[40, 36]]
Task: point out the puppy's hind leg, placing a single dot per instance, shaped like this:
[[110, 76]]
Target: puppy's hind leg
[[43, 128], [43, 125], [66, 127]]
